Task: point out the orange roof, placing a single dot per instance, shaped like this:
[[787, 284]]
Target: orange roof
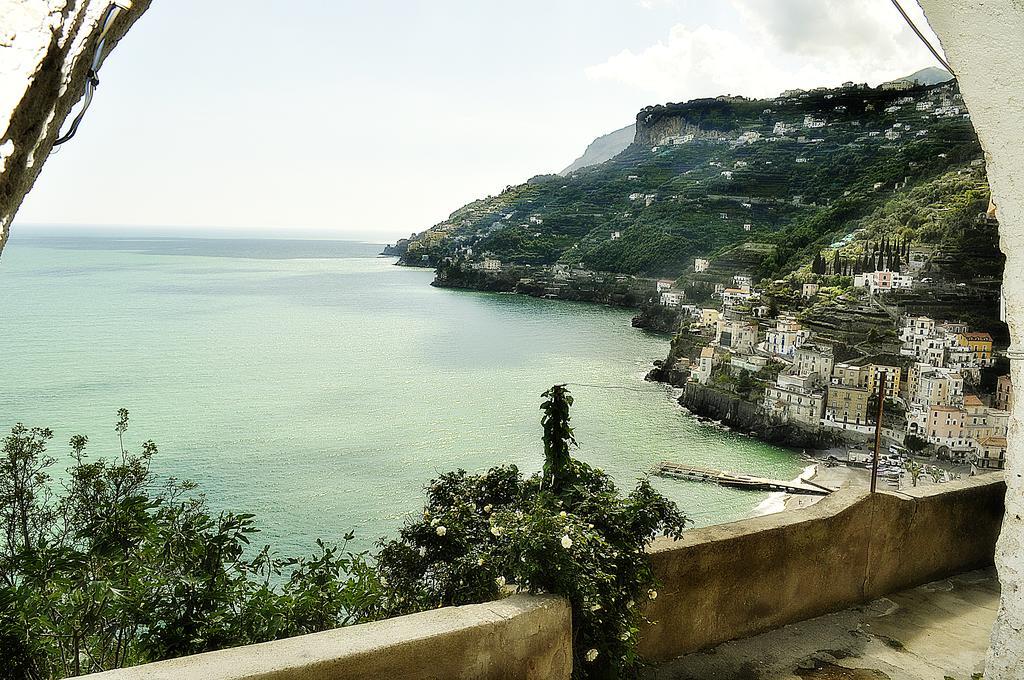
[[937, 407], [978, 335], [993, 441], [972, 400]]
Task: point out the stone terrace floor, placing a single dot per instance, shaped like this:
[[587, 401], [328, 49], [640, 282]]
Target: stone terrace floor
[[936, 631]]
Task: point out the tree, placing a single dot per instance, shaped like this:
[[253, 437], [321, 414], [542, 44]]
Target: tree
[[914, 443], [914, 469], [558, 436], [121, 569], [24, 492], [569, 532]]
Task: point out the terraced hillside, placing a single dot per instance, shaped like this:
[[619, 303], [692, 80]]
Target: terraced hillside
[[753, 185]]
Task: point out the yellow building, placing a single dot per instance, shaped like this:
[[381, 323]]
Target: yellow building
[[892, 378], [980, 344], [991, 453], [847, 404]]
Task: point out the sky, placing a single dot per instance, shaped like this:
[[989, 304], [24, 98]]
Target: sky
[[373, 120]]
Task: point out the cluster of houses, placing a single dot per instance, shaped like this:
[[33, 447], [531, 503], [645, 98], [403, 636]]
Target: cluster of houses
[[929, 381]]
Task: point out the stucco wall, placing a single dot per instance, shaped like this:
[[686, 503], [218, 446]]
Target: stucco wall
[[46, 49], [733, 580], [521, 638], [984, 43], [718, 583]]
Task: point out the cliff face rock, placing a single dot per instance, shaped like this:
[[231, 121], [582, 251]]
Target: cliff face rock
[[657, 319], [46, 51], [603, 148], [662, 130], [657, 125], [745, 416]]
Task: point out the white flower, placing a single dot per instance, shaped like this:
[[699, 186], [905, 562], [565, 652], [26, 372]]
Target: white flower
[[629, 605], [500, 581], [488, 508], [441, 531], [383, 581], [624, 637], [566, 542], [480, 562], [426, 514], [562, 513], [423, 551], [435, 522], [591, 655], [496, 531], [595, 608], [653, 594]]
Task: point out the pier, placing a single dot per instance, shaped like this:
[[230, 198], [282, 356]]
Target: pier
[[740, 481]]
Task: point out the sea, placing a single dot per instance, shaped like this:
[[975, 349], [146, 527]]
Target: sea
[[319, 386]]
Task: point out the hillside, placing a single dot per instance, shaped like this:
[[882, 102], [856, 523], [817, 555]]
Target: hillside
[[603, 148], [933, 75], [754, 185]]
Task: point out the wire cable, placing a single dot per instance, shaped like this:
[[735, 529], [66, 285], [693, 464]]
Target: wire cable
[[917, 31], [92, 80]]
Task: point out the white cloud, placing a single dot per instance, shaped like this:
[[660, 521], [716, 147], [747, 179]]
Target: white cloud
[[777, 44]]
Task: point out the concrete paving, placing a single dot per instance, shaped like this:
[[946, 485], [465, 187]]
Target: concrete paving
[[934, 632]]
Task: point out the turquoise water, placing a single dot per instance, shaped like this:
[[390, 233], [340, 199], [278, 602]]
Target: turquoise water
[[320, 386]]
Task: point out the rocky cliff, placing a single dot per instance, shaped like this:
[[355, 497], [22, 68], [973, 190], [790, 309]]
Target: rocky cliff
[[603, 148], [745, 416]]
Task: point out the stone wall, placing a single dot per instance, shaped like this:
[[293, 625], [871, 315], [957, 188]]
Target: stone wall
[[734, 580], [984, 43], [521, 638], [46, 49], [718, 583]]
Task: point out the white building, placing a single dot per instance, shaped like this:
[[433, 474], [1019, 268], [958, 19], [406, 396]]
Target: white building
[[898, 85], [673, 298], [738, 335], [792, 399], [785, 338], [883, 281], [814, 360], [752, 363], [704, 366], [488, 264], [701, 265], [736, 296]]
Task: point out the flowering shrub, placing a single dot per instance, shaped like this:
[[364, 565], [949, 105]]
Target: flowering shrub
[[569, 531]]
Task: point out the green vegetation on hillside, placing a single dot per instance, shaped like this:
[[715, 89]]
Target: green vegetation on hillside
[[788, 175]]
